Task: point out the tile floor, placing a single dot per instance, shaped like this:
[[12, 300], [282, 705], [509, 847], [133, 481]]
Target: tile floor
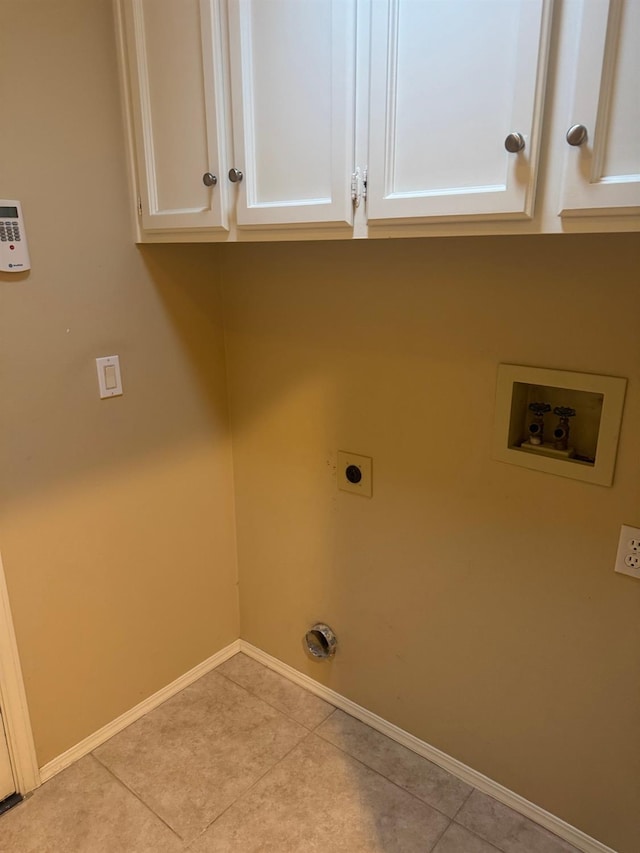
[[243, 760]]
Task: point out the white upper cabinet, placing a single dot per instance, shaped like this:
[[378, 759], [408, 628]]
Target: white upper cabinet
[[322, 119], [602, 159], [293, 106], [175, 86], [450, 81]]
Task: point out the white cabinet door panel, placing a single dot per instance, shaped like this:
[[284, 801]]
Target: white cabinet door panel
[[450, 79], [603, 174], [293, 97], [175, 70]]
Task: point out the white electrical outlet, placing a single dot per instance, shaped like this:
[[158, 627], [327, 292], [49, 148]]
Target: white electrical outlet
[[628, 556], [354, 473]]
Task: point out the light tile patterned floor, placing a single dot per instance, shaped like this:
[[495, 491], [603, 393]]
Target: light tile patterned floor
[[245, 761]]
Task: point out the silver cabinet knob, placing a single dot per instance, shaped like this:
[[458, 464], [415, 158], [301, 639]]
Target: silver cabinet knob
[[209, 180], [235, 176], [577, 134], [514, 143]]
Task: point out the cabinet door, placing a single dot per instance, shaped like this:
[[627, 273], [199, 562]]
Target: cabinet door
[[450, 80], [175, 77], [603, 173], [293, 94]]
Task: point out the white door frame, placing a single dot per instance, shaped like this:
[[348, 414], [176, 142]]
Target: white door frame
[[13, 701]]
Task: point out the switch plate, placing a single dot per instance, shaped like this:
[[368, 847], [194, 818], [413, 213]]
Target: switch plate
[[355, 473], [628, 556], [109, 378]]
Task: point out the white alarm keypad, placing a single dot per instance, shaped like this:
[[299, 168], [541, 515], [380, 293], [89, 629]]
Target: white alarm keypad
[[14, 256]]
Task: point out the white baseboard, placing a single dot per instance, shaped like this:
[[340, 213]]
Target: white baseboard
[[102, 735], [554, 824]]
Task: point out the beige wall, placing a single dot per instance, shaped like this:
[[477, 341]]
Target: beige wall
[[116, 526], [475, 602]]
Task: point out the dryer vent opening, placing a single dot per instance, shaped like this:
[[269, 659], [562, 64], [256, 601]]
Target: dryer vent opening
[[320, 642]]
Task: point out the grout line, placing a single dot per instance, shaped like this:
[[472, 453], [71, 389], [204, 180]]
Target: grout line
[[481, 838], [341, 749], [520, 817], [286, 714], [326, 719], [246, 792], [262, 699], [137, 796], [441, 836], [386, 778], [578, 840], [310, 732], [464, 802]]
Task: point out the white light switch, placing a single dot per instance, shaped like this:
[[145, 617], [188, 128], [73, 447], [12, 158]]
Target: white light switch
[[109, 378]]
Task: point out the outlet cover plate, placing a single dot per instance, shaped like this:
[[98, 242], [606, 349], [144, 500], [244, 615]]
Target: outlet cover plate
[[628, 548], [364, 464]]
